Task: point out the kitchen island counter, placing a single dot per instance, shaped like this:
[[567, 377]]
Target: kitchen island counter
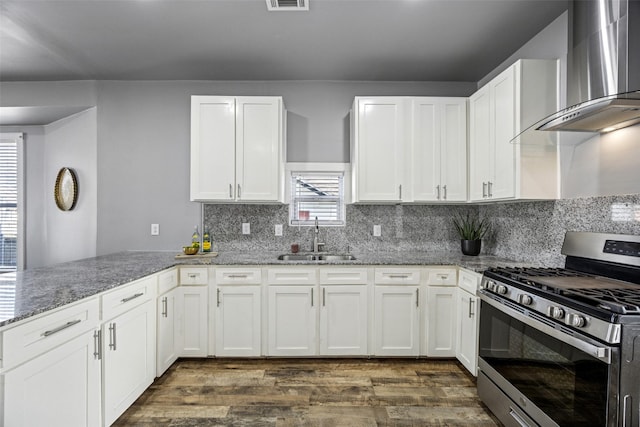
[[28, 293]]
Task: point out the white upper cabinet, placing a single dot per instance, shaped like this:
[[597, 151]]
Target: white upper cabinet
[[438, 153], [377, 149], [498, 112], [409, 149], [237, 149]]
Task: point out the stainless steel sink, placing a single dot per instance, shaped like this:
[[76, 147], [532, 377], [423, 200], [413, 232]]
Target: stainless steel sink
[[316, 257], [333, 257], [296, 257]]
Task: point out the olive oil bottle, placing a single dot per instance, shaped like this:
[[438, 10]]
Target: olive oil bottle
[[206, 241]]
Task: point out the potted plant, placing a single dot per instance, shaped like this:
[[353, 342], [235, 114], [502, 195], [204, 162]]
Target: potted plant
[[471, 231]]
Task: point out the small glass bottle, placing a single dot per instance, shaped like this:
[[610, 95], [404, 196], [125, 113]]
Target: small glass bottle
[[206, 241], [195, 238]]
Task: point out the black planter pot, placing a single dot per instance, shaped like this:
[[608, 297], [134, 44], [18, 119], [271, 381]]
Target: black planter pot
[[471, 247]]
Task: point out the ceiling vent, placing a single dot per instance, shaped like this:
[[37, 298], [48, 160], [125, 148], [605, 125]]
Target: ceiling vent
[[287, 5]]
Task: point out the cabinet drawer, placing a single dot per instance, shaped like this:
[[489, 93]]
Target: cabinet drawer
[[40, 335], [128, 296], [469, 281], [194, 276], [238, 276], [397, 276], [292, 276], [167, 280], [343, 276], [442, 276]]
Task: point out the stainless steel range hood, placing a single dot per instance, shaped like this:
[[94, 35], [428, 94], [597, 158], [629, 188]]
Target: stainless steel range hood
[[603, 81]]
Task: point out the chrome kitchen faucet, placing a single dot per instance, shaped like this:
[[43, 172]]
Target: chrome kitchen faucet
[[316, 244]]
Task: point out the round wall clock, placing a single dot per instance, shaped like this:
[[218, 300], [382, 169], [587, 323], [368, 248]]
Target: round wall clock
[[66, 189]]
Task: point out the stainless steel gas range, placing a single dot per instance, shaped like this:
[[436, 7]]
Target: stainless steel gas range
[[561, 346]]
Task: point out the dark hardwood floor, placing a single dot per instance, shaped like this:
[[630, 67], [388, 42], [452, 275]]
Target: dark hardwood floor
[[311, 392]]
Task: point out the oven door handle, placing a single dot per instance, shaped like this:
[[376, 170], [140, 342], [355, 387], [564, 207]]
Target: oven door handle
[[592, 348]]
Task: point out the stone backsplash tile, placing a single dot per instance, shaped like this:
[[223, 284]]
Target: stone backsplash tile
[[522, 231]]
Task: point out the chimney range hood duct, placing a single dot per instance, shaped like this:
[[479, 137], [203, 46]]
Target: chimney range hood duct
[[603, 68]]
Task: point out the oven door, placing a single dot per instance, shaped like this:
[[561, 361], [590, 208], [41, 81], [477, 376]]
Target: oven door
[[544, 371]]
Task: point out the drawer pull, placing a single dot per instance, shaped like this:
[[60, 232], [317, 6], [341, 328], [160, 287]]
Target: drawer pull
[[398, 276], [134, 296], [61, 327], [443, 276], [237, 276], [193, 275]]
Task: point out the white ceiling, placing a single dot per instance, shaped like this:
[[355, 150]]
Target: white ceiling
[[384, 40]]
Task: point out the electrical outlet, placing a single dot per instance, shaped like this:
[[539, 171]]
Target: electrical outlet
[[246, 228], [377, 231], [278, 229], [155, 229]]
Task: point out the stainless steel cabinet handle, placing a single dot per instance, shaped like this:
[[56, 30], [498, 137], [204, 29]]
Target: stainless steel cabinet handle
[[418, 297], [97, 344], [61, 328], [400, 191], [230, 191], [193, 275], [484, 189], [164, 307], [398, 276], [442, 276], [218, 297], [239, 192], [134, 296], [237, 276], [311, 297], [471, 313], [324, 297], [444, 190], [490, 186], [438, 191], [112, 336]]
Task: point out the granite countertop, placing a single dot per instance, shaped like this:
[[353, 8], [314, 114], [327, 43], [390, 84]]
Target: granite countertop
[[30, 292]]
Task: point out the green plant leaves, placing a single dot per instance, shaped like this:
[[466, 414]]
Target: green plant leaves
[[471, 228]]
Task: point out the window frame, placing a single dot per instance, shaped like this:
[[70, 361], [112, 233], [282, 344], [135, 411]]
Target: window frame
[[319, 168]]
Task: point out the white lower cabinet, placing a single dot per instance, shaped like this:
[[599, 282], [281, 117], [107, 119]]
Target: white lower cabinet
[[238, 322], [468, 320], [192, 337], [167, 327], [59, 388], [441, 321], [396, 320], [344, 320], [293, 320], [128, 358]]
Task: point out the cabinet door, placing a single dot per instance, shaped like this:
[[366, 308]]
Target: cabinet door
[[467, 331], [213, 136], [192, 322], [59, 388], [396, 324], [343, 320], [453, 151], [292, 321], [379, 149], [166, 324], [258, 149], [238, 321], [129, 358], [425, 149], [503, 122], [480, 160], [441, 321]]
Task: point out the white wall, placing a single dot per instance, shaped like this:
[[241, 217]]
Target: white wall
[[70, 235]]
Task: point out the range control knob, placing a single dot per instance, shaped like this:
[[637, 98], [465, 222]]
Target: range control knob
[[525, 299], [491, 285], [575, 320], [555, 312], [501, 289]]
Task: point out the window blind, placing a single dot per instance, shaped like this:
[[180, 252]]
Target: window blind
[[8, 203], [318, 195]]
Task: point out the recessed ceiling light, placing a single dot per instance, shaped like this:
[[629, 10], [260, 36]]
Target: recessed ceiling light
[[287, 5]]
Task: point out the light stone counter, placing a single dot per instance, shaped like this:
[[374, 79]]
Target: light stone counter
[[25, 294]]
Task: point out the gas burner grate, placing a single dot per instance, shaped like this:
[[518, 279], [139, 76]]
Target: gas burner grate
[[622, 301]]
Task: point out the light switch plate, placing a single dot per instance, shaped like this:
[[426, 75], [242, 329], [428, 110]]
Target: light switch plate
[[377, 231], [155, 229], [246, 228], [278, 229]]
